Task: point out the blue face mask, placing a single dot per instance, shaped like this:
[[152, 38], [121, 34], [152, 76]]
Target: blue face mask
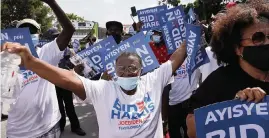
[[127, 83], [156, 38], [35, 39]]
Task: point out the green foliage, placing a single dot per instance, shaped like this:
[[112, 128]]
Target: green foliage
[[204, 9], [74, 17], [12, 10]]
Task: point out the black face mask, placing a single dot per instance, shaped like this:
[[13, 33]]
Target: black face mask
[[257, 56], [117, 38]]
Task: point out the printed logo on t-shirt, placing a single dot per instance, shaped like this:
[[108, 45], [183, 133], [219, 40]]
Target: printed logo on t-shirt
[[29, 77], [132, 116], [181, 72]]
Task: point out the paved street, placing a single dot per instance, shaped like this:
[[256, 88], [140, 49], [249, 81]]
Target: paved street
[[87, 118]]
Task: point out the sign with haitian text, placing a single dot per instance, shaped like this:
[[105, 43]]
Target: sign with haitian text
[[149, 17], [172, 14], [19, 35], [233, 119], [173, 35], [193, 37], [94, 53], [136, 44]]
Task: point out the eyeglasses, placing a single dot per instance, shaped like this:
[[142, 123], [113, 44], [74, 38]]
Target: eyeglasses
[[130, 69], [258, 38]]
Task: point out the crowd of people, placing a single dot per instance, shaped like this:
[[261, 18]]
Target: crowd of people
[[153, 105]]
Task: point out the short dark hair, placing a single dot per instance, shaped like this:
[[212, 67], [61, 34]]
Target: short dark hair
[[227, 29], [127, 54]]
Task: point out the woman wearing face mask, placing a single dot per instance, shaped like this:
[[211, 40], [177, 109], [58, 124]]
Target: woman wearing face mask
[[158, 46], [128, 107], [241, 41]]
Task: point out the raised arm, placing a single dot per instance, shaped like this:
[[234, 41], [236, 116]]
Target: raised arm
[[178, 57], [60, 77], [68, 29]]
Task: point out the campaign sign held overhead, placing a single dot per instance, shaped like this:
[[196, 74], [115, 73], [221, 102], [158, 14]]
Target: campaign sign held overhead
[[233, 119], [95, 52], [136, 44], [19, 35], [201, 58], [193, 38], [172, 14], [150, 18], [190, 17], [172, 35]]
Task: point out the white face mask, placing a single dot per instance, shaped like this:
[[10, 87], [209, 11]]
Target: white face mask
[[127, 83]]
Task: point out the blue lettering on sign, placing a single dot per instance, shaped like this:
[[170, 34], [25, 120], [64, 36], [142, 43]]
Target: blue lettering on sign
[[136, 44], [149, 17], [233, 119]]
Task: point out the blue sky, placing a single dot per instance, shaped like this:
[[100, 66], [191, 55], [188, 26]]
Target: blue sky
[[106, 10]]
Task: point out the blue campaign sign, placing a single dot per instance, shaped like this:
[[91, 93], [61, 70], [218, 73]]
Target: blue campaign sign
[[201, 58], [173, 35], [19, 35], [94, 53], [193, 38], [42, 42], [233, 119], [76, 45], [150, 18], [190, 17], [136, 44], [172, 14]]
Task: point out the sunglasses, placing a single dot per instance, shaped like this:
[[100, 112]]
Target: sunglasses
[[258, 38]]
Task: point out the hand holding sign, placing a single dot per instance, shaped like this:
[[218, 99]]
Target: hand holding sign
[[251, 94], [233, 119]]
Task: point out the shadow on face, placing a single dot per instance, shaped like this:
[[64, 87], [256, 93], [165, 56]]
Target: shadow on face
[[128, 66]]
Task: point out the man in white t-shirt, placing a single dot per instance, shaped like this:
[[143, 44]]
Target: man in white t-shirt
[[128, 107], [35, 112], [181, 91]]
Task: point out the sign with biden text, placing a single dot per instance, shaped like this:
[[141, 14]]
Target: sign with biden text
[[233, 119], [172, 14], [173, 35], [150, 18], [135, 44], [94, 53], [18, 35]]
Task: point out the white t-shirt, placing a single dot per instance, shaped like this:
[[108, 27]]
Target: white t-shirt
[[208, 68], [35, 110], [123, 116], [181, 88]]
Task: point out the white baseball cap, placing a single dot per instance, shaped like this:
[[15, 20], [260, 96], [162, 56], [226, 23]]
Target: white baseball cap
[[29, 21]]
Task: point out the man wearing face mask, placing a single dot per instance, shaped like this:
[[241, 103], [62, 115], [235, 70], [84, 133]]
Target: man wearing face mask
[[115, 29], [34, 29], [158, 46], [160, 51], [35, 112]]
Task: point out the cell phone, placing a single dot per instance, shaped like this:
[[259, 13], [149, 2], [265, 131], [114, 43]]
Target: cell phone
[[133, 10]]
